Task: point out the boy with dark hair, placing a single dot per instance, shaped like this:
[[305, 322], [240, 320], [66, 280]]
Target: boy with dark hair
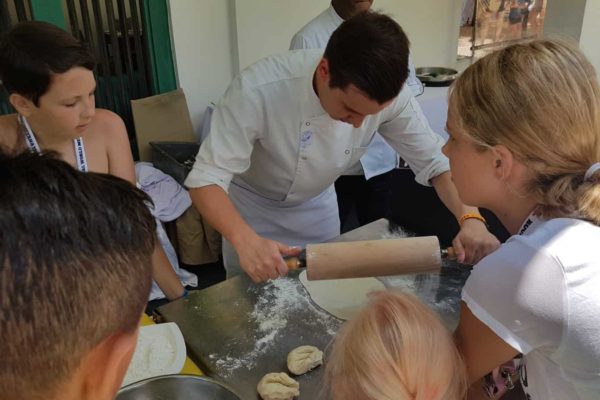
[[55, 51], [291, 124], [363, 191], [383, 76], [75, 274], [50, 82]]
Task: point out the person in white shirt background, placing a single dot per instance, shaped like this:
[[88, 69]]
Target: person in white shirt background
[[540, 173], [366, 187], [290, 124]]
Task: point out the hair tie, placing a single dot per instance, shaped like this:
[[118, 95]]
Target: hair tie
[[591, 171]]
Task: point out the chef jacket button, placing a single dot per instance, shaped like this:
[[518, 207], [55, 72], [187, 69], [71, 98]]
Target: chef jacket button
[[347, 152], [308, 124]]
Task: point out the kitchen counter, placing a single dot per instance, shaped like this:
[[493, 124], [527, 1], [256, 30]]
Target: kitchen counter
[[237, 331]]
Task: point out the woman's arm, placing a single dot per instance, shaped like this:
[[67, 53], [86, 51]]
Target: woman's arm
[[480, 347], [473, 241]]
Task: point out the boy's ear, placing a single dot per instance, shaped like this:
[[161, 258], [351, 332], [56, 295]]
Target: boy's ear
[[323, 70], [104, 367], [22, 104]]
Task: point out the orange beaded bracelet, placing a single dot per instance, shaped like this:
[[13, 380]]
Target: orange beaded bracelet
[[473, 216]]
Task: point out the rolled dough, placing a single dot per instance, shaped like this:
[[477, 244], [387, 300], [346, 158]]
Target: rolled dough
[[341, 297]]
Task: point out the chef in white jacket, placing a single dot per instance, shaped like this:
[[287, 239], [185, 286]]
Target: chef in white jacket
[[290, 124], [365, 186]]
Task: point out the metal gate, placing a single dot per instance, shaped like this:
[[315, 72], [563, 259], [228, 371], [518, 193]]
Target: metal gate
[[116, 36], [11, 12]]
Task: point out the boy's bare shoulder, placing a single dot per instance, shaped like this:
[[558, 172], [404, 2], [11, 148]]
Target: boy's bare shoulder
[[9, 128], [109, 124], [108, 131]]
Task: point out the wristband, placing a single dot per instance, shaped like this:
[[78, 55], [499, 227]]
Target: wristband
[[471, 216]]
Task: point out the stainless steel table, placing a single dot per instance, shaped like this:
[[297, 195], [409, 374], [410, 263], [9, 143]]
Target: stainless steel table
[[237, 331]]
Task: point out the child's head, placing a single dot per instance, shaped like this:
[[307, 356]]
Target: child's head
[[32, 52], [48, 75], [395, 348], [539, 102], [75, 273]]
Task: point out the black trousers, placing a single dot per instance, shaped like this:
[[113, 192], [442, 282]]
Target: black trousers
[[361, 201], [397, 196]]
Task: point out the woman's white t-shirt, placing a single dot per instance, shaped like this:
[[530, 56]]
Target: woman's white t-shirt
[[540, 293]]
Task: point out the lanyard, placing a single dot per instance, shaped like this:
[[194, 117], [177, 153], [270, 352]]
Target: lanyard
[[34, 147], [531, 219]]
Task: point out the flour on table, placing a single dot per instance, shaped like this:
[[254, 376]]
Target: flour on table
[[276, 302]]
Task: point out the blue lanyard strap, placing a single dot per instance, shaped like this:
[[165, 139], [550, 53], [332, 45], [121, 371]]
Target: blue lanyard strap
[[34, 147]]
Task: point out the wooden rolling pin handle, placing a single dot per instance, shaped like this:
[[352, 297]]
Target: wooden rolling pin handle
[[294, 263], [449, 253]]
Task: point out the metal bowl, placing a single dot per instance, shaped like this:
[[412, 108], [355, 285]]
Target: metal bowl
[[177, 387], [436, 76]]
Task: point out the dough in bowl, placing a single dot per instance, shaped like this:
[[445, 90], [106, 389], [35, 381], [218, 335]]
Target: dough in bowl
[[304, 358], [278, 386]]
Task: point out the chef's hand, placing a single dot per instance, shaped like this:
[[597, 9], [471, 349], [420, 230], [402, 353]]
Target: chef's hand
[[262, 258], [473, 242]]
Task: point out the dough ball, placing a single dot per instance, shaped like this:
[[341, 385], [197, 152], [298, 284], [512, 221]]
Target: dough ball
[[304, 358], [278, 386]]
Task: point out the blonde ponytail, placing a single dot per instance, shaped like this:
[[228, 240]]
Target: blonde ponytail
[[588, 199]]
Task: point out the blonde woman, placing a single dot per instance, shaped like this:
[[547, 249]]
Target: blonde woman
[[524, 125], [395, 349]]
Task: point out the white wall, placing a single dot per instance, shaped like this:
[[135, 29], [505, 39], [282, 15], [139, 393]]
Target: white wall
[[265, 27], [203, 42], [432, 27], [590, 33], [213, 38], [564, 18]]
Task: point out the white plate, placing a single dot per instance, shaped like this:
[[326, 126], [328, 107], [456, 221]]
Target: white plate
[[160, 351]]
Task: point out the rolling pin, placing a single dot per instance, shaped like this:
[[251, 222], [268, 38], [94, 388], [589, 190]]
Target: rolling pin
[[369, 258]]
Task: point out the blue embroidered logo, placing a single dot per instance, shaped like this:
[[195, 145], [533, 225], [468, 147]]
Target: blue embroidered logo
[[305, 139]]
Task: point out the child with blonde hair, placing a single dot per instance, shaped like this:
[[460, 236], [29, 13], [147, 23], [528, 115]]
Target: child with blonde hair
[[524, 126], [395, 349]]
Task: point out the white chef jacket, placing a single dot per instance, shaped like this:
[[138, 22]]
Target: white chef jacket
[[270, 135], [539, 293], [380, 156]]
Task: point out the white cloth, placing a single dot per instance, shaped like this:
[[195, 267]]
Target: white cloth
[[380, 156], [169, 197], [270, 135], [540, 293]]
